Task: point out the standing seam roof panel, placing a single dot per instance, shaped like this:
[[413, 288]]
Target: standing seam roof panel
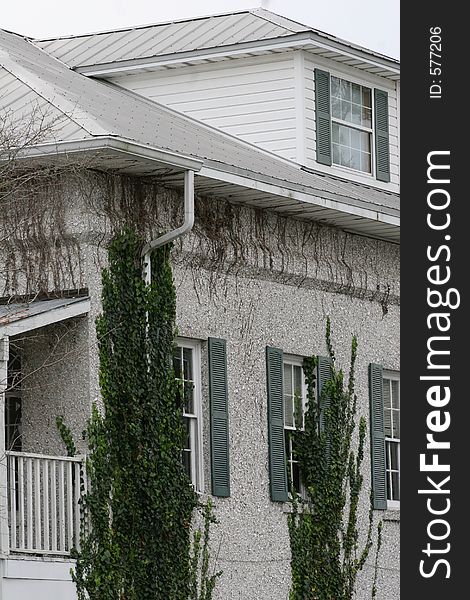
[[165, 38], [104, 109]]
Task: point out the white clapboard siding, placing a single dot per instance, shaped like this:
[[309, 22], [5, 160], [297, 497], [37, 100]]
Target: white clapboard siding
[[252, 98], [310, 63]]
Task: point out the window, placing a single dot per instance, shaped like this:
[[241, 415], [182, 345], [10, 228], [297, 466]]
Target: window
[[186, 364], [294, 409], [391, 403], [349, 132], [351, 126], [13, 404]]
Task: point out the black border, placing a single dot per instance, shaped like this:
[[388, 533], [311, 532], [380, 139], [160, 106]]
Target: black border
[[429, 124]]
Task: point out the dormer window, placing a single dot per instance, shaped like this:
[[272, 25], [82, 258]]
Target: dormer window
[[352, 128], [351, 125]]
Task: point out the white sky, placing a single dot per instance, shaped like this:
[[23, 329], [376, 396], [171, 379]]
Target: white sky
[[370, 23]]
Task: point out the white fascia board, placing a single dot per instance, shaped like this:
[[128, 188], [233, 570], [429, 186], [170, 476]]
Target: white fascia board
[[277, 190], [22, 325], [131, 149], [300, 40]]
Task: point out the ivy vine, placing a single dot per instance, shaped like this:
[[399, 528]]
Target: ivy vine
[[136, 526], [323, 525]]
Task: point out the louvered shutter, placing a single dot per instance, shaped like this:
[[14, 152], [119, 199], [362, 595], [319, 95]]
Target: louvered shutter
[[323, 375], [377, 436], [277, 451], [323, 116], [218, 395], [382, 143]]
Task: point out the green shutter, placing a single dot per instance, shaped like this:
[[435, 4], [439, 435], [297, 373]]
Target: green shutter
[[218, 395], [277, 451], [323, 116], [377, 436], [323, 375], [382, 143]]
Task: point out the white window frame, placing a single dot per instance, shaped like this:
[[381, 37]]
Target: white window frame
[[351, 125], [393, 376], [297, 361], [196, 441]]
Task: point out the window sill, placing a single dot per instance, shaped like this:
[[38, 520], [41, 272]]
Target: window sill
[[391, 514]]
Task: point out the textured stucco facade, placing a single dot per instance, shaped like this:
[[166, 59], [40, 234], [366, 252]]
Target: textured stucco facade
[[253, 278]]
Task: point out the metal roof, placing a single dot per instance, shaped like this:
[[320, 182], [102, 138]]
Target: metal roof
[[148, 45], [91, 111], [16, 318]]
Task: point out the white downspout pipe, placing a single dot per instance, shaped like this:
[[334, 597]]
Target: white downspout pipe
[[176, 233]]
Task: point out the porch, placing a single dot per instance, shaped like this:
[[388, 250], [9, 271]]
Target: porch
[[43, 374]]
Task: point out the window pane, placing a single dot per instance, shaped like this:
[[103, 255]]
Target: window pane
[[356, 114], [367, 117], [188, 364], [335, 86], [188, 397], [394, 456], [187, 462], [386, 392], [345, 89], [187, 433], [335, 132], [365, 141], [356, 139], [395, 394], [366, 97], [365, 162], [345, 110], [297, 379], [345, 153], [336, 107], [177, 363], [344, 135], [396, 424], [289, 411], [388, 422], [288, 380], [355, 159], [356, 93], [396, 486], [296, 477], [336, 154]]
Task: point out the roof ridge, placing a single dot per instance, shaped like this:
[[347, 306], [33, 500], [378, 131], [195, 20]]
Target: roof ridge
[[144, 25]]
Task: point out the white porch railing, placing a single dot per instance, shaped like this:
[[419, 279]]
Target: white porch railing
[[43, 502]]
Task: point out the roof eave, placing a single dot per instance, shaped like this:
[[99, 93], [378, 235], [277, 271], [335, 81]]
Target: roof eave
[[307, 40], [112, 151], [95, 145]]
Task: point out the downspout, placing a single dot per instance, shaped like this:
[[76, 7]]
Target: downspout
[[176, 233]]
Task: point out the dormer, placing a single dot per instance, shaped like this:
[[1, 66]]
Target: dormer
[[322, 102]]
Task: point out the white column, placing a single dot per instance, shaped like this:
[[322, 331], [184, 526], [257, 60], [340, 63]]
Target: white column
[[4, 533]]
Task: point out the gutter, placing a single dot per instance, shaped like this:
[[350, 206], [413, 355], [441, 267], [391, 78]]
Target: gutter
[[176, 233]]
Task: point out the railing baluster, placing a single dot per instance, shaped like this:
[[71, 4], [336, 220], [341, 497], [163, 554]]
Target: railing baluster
[[45, 483], [44, 502], [76, 506], [53, 506], [12, 483], [69, 506], [37, 504], [21, 519], [61, 521], [29, 503]]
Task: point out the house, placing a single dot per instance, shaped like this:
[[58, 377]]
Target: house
[[288, 139]]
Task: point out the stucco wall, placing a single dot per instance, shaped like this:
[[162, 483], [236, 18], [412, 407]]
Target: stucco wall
[[255, 279]]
